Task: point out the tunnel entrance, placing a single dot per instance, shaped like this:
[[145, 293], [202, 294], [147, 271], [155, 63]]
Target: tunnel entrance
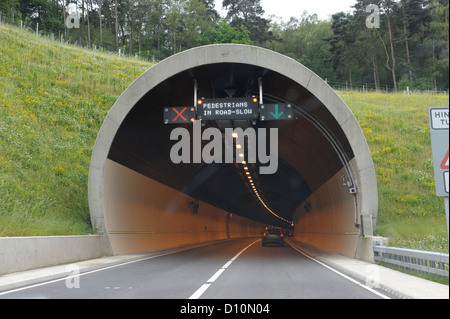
[[324, 184]]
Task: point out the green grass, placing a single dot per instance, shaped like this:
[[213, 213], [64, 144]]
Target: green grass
[[396, 127], [54, 98]]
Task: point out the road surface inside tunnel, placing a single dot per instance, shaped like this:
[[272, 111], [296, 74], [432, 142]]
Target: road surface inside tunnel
[[232, 269]]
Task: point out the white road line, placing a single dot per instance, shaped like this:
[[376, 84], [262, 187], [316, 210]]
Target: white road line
[[68, 277], [200, 291], [216, 275], [341, 274], [204, 287]]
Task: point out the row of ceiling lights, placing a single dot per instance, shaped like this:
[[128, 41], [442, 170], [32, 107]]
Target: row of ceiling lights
[[252, 182]]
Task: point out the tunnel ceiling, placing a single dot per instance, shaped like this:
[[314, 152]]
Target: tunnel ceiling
[[306, 157]]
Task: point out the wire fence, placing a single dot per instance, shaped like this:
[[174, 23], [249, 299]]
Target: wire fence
[[370, 87], [73, 36]]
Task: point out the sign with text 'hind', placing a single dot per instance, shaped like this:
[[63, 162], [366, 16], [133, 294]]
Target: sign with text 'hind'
[[439, 124]]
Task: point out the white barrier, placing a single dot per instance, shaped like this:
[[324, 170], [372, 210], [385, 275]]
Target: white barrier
[[26, 253]]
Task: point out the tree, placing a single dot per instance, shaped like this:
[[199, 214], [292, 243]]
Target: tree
[[248, 13], [116, 15], [387, 6], [366, 38], [415, 16], [439, 39], [341, 42], [9, 8], [225, 33]]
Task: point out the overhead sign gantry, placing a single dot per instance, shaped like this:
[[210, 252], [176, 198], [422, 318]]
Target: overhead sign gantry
[[246, 108]]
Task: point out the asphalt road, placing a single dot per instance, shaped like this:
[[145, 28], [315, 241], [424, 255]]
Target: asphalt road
[[236, 269]]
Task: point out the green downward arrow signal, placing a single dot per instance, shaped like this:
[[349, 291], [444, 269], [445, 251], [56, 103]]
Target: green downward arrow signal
[[276, 114]]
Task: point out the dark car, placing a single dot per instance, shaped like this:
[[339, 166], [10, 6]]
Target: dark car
[[273, 236]]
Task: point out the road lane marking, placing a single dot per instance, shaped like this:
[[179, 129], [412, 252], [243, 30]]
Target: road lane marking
[[341, 274], [68, 276], [200, 291], [204, 287], [216, 275]]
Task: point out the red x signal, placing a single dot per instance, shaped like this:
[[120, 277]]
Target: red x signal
[[179, 114], [174, 115]]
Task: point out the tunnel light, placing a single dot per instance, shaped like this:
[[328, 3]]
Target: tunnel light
[[244, 162], [246, 168], [267, 207], [234, 134], [241, 155], [247, 173], [238, 146]]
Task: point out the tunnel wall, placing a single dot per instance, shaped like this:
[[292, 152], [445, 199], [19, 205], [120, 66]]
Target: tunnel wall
[[144, 215], [325, 219]]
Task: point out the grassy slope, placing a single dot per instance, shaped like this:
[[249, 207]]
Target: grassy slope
[[53, 100], [396, 127], [54, 97]]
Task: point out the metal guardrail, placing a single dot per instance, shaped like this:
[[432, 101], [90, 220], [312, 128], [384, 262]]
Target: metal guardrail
[[416, 260]]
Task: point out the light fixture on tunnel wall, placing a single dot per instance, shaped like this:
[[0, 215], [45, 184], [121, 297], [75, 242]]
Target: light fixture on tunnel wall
[[307, 207], [193, 205], [347, 182]]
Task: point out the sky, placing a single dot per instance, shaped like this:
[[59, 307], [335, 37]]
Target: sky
[[288, 8]]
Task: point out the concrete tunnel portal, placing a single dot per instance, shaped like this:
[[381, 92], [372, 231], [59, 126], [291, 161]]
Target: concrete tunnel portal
[[325, 182]]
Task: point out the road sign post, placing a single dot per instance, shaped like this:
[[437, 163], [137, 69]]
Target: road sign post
[[439, 124]]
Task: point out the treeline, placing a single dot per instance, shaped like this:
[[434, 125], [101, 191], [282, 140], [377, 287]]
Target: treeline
[[408, 47]]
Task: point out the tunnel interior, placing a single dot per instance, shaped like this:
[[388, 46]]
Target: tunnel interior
[[306, 158]]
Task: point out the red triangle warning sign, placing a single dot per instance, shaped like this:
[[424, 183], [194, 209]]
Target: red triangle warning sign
[[444, 164]]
